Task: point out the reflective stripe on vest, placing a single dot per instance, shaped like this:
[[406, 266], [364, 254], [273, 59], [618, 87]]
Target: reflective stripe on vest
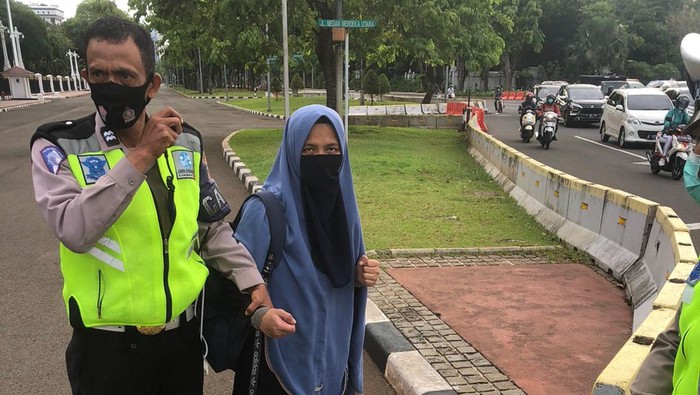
[[133, 275]]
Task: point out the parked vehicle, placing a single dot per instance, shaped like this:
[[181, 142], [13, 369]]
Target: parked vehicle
[[681, 145], [634, 115], [580, 103], [548, 126], [528, 119], [542, 90]]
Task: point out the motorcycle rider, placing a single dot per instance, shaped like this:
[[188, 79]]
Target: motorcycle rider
[[677, 115], [548, 105], [529, 104], [497, 94]]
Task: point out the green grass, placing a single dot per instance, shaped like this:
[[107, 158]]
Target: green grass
[[416, 188], [277, 104]]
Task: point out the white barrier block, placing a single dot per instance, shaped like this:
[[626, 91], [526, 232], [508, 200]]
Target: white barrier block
[[532, 178], [358, 110], [442, 108], [429, 108], [414, 109], [376, 110], [626, 219], [396, 109]]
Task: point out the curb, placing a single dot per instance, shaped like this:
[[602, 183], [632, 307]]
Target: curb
[[264, 114], [406, 370], [6, 109]]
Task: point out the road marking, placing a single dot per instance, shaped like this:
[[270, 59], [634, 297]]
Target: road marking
[[641, 163], [694, 226], [609, 147]]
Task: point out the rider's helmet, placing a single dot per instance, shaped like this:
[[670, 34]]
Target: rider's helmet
[[529, 96], [498, 88], [682, 102], [550, 98]]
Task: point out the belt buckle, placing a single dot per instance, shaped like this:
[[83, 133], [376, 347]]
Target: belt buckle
[[150, 330]]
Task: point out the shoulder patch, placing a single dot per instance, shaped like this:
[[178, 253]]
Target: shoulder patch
[[184, 164], [93, 166], [53, 157], [109, 137]]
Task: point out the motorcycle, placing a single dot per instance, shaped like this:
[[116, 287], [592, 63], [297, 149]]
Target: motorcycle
[[681, 145], [499, 105], [548, 126], [528, 119]]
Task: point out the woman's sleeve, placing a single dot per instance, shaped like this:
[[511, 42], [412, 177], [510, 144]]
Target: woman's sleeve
[[253, 231]]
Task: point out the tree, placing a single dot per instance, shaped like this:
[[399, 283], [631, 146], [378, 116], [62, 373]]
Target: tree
[[55, 61], [276, 87], [87, 12], [518, 26], [296, 84], [384, 85], [371, 85]]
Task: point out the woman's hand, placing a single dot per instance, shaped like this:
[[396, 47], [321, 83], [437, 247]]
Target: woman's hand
[[367, 271]]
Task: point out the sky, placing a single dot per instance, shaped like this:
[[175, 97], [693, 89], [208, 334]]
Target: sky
[[68, 6]]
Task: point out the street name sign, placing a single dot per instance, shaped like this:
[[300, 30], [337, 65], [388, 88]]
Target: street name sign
[[347, 23]]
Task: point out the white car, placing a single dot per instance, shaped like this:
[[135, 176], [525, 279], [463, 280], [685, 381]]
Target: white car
[[634, 115]]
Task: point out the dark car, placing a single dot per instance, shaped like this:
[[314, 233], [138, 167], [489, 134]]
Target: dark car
[[580, 103]]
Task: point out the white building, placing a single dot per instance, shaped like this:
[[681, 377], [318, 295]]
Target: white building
[[50, 13]]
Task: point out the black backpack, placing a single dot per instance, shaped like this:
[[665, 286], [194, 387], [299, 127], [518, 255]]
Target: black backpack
[[226, 328]]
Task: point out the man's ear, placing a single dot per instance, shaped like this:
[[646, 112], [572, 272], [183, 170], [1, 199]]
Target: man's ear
[[155, 86], [83, 73]]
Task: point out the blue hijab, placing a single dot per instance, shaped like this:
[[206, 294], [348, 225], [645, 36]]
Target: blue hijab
[[326, 349]]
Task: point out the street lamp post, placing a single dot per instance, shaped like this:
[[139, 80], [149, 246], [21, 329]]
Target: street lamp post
[[6, 60], [79, 84], [72, 70], [285, 47], [14, 46]]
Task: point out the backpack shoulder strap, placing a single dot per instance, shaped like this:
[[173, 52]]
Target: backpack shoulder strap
[[276, 223]]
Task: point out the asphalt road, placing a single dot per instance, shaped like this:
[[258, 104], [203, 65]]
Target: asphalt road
[[33, 321], [579, 152]]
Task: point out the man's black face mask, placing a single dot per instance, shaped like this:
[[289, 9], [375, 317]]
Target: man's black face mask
[[119, 106]]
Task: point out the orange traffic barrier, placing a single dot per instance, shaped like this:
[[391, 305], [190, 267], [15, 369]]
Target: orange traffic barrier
[[480, 118], [519, 95], [455, 108]]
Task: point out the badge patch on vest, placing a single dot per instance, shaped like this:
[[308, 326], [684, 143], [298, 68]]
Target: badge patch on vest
[[94, 167], [694, 276], [53, 158], [110, 138], [184, 164]]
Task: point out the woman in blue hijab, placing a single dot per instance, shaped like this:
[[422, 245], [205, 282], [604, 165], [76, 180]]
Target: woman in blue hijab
[[323, 273]]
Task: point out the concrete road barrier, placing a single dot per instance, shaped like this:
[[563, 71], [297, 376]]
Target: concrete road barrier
[[413, 109], [396, 109], [429, 108], [638, 241]]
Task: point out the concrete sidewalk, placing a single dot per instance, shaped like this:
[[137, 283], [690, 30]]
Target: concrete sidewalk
[[488, 321], [9, 105]]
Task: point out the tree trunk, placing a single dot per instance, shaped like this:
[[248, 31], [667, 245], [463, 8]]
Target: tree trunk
[[508, 71], [485, 78], [325, 52], [431, 80]]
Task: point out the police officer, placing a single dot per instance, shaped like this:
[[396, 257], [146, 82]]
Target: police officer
[[130, 198]]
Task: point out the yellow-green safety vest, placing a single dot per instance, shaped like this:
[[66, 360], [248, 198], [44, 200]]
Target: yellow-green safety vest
[[134, 275]]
